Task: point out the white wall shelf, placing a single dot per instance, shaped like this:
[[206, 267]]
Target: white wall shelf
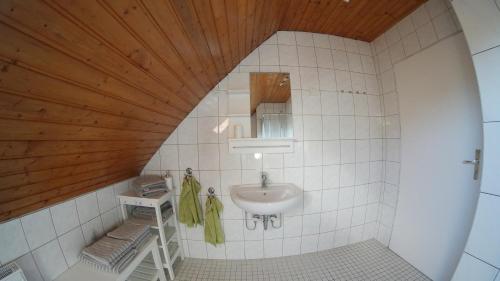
[[255, 145]]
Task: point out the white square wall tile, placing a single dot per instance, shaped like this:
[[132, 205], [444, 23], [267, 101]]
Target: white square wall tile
[[312, 178], [188, 157], [490, 176], [304, 39], [307, 56], [254, 249], [325, 241], [106, 199], [87, 207], [483, 239], [216, 252], [346, 197], [188, 131], [72, 244], [169, 157], [12, 241], [313, 128], [309, 244], [38, 228], [65, 217], [311, 202], [273, 248], [329, 200], [92, 230], [470, 268], [208, 156], [50, 260], [311, 224], [347, 127], [324, 58], [292, 226], [313, 153], [291, 246], [487, 66], [340, 60], [197, 249], [208, 129], [30, 270], [235, 250], [238, 82], [331, 127], [309, 79], [288, 55], [286, 37], [321, 40], [269, 55], [329, 103], [426, 35], [328, 221], [331, 152]]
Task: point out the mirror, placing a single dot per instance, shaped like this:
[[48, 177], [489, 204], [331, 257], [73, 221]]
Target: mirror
[[271, 105]]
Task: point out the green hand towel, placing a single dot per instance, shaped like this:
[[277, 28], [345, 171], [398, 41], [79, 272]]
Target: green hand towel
[[190, 212], [213, 229]]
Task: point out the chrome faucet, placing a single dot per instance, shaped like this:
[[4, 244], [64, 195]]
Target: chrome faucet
[[263, 182]]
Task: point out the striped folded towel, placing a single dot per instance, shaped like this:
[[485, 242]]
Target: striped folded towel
[[117, 249]]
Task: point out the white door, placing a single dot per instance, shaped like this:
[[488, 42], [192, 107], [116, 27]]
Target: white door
[[440, 127]]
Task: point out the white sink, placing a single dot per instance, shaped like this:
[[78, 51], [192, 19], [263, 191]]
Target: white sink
[[273, 199]]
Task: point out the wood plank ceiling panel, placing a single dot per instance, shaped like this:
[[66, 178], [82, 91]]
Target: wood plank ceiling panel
[[89, 89]]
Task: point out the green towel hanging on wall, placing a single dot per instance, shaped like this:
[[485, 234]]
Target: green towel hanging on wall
[[213, 229], [190, 212]]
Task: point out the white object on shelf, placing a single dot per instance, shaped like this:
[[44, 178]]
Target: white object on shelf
[[255, 145], [238, 131], [11, 272], [166, 230], [84, 272]]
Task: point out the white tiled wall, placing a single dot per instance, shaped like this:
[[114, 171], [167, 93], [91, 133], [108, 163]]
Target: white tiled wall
[[337, 161], [430, 23], [47, 242]]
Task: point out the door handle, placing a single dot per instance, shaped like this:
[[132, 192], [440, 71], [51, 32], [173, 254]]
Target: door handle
[[475, 162]]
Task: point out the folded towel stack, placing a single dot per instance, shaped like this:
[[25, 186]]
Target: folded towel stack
[[149, 185], [116, 250], [149, 213]]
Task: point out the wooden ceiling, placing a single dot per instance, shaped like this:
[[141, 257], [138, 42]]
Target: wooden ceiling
[[89, 89], [269, 87]]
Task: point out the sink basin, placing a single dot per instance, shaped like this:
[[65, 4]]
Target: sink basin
[[273, 199]]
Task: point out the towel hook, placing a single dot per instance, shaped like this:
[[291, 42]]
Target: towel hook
[[189, 172], [211, 192]]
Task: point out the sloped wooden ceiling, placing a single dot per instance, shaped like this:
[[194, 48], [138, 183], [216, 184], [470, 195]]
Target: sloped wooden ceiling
[[89, 89]]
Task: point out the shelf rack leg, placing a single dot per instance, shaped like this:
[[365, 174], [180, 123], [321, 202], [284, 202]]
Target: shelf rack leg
[[177, 226], [161, 229], [158, 263]]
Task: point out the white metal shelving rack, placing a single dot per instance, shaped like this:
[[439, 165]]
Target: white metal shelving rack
[[168, 230]]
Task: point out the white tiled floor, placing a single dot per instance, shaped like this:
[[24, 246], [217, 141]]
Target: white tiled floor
[[368, 260]]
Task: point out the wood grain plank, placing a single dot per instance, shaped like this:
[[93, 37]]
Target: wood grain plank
[[31, 164], [28, 183], [30, 130], [32, 148], [14, 106]]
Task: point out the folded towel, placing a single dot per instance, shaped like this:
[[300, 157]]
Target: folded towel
[[128, 231], [213, 229], [149, 185], [189, 204], [149, 213], [107, 251], [117, 249]]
